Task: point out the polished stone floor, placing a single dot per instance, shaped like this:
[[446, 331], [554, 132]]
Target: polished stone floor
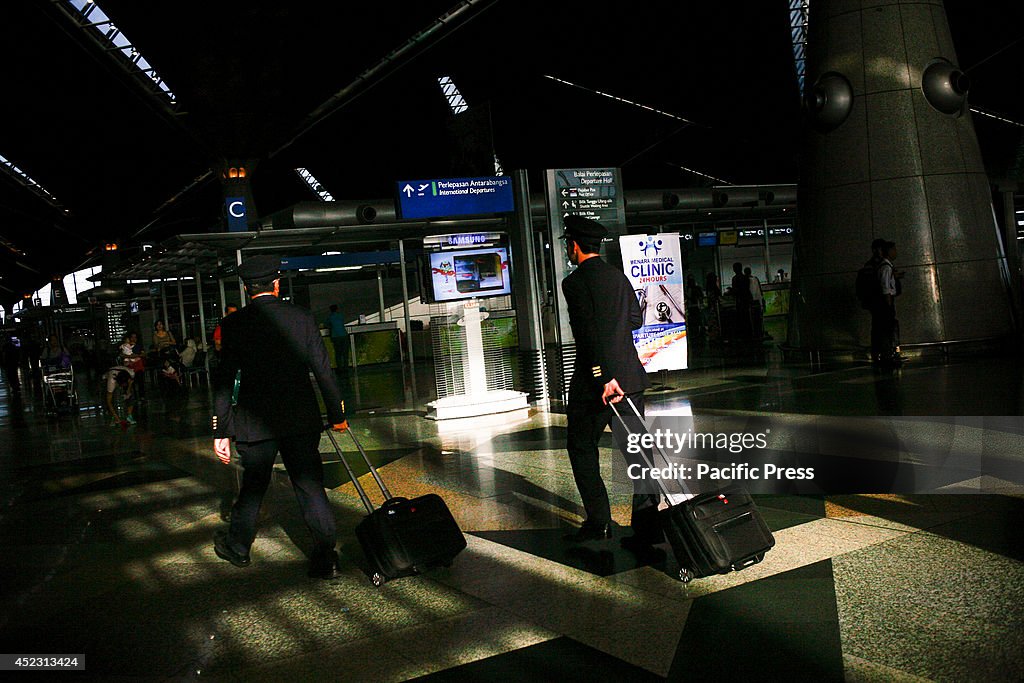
[[105, 548]]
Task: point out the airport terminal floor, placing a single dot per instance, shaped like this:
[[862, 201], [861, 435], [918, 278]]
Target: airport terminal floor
[[107, 550]]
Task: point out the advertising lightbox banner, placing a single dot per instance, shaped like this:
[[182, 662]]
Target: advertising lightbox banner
[[654, 268]]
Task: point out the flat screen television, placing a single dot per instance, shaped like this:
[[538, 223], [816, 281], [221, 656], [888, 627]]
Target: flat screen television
[[469, 273], [707, 239]]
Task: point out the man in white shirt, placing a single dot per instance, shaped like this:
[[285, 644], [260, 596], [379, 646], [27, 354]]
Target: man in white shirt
[[885, 344]]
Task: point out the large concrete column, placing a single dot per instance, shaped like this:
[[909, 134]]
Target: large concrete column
[[897, 168]]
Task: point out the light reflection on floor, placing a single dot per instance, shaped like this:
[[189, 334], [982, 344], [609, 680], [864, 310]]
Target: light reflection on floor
[[106, 538]]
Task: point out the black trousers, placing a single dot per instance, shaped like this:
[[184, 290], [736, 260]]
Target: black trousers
[[301, 457], [883, 331], [587, 421], [341, 354]]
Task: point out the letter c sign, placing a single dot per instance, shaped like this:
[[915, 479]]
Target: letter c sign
[[236, 214]]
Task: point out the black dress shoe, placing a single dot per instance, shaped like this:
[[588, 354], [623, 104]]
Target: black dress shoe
[[224, 551], [590, 532], [324, 565]]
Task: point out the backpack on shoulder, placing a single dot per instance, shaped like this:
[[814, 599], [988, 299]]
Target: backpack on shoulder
[[867, 286]]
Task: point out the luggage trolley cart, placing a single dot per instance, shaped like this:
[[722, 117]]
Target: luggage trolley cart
[[59, 395]]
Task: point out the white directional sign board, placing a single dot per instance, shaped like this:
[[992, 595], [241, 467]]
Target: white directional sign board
[[590, 192], [594, 193]]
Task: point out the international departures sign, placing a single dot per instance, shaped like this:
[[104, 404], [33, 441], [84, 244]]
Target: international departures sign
[[445, 197]]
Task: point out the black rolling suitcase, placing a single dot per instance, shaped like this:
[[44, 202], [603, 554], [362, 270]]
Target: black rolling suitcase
[[711, 533], [403, 536]]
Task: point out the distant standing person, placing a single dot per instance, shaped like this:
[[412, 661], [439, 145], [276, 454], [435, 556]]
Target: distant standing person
[[12, 361], [869, 294], [741, 294], [339, 339], [275, 409], [756, 304], [884, 325], [713, 321], [694, 316]]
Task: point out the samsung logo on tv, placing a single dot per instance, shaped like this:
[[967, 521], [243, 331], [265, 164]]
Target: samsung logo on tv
[[466, 239]]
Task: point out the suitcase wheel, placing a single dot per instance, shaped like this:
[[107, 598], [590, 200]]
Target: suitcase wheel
[[685, 575], [378, 579]]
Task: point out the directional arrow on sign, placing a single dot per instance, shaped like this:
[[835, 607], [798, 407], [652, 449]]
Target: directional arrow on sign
[[565, 205], [564, 192], [407, 190]]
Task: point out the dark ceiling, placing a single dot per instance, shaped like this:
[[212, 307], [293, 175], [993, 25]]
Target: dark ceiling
[[248, 76]]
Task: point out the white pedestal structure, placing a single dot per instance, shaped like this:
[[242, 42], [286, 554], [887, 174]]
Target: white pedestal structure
[[488, 403], [477, 400]]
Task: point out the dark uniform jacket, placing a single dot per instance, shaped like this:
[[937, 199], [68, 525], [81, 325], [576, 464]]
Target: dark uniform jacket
[[603, 312], [275, 345]]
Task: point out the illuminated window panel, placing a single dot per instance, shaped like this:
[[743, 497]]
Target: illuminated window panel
[[452, 94], [315, 185], [798, 24]]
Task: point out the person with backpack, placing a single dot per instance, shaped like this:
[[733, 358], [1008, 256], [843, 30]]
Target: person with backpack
[[869, 294], [877, 288], [889, 288], [744, 301]]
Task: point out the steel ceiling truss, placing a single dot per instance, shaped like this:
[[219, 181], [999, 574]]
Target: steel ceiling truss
[[100, 30], [29, 183]]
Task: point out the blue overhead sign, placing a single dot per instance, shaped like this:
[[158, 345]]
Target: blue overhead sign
[[238, 221], [446, 197]]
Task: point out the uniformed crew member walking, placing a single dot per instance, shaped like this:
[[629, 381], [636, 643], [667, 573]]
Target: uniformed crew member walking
[[271, 346], [603, 312]]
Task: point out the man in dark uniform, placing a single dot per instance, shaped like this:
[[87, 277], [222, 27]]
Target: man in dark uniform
[[744, 300], [603, 312], [268, 350]]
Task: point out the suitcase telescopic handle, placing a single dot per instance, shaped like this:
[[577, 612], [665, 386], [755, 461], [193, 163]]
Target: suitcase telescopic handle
[[352, 475], [373, 470], [643, 456]]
